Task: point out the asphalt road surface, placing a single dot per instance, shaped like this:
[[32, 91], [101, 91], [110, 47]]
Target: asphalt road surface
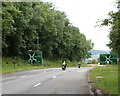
[[47, 81]]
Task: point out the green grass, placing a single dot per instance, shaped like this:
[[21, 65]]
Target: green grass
[[109, 82], [8, 66], [74, 64]]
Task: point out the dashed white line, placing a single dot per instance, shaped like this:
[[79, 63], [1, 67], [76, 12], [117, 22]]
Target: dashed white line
[[9, 78], [14, 77], [54, 77], [82, 70], [34, 70], [64, 71], [36, 85], [24, 76]]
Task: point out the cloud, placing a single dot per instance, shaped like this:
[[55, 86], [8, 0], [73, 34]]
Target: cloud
[[84, 15]]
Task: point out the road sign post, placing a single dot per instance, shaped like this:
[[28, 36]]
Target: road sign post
[[14, 63]]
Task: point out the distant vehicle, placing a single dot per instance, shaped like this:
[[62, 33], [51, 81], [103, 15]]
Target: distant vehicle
[[100, 64], [63, 67], [79, 65]]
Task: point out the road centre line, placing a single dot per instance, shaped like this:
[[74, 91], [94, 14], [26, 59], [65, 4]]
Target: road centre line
[[64, 71], [24, 76], [54, 77], [14, 77], [36, 85], [9, 78]]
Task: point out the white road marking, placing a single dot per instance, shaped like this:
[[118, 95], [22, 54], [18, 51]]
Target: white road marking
[[83, 70], [64, 71], [9, 78], [36, 85], [34, 70], [54, 77], [14, 77], [24, 76]]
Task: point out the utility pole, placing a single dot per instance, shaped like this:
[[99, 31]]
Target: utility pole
[[38, 43]]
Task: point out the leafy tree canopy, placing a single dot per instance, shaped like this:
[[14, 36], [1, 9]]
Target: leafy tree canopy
[[114, 22], [26, 23]]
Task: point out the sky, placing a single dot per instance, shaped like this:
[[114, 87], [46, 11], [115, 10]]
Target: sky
[[84, 14]]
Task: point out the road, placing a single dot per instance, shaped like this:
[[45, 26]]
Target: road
[[47, 81]]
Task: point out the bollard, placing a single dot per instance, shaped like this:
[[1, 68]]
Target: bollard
[[14, 64]]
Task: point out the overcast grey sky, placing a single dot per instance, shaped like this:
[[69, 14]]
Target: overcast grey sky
[[84, 14]]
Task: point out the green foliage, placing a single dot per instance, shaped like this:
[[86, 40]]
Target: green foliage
[[114, 22], [23, 23], [8, 66], [94, 61]]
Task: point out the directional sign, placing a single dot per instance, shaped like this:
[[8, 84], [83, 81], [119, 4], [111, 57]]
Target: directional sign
[[108, 58], [33, 56]]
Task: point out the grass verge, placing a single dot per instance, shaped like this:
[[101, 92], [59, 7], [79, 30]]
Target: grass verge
[[21, 65], [8, 66], [106, 77]]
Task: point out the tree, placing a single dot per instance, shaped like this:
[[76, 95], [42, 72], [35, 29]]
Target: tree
[[26, 22], [92, 61], [114, 22]]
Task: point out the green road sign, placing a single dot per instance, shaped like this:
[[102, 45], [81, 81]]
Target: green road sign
[[108, 58], [33, 56]]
